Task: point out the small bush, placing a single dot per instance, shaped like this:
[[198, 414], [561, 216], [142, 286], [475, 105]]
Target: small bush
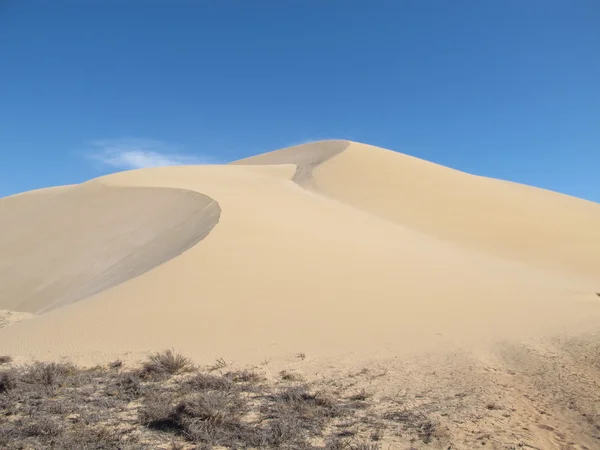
[[48, 374], [166, 363], [156, 412], [5, 359]]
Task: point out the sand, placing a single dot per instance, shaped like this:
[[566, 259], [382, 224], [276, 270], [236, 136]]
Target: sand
[[343, 251]]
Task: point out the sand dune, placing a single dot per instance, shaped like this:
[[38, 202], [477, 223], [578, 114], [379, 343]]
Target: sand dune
[[467, 302], [328, 248]]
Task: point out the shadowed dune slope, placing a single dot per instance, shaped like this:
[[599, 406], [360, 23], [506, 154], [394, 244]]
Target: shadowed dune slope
[[63, 244]]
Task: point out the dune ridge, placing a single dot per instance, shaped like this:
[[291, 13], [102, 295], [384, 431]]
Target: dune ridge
[[306, 157]]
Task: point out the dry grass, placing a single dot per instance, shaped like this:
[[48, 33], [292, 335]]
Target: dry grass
[[5, 359], [166, 363], [59, 405]]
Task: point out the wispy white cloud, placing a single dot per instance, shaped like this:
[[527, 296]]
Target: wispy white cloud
[[142, 153]]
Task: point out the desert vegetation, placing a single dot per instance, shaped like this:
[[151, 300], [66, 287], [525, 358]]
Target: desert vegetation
[[168, 402]]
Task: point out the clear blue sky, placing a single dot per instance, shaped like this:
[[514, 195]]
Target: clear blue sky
[[502, 88]]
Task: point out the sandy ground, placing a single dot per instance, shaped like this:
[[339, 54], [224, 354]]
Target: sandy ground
[[345, 252]]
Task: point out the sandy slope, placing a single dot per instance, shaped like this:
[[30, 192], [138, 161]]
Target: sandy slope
[[366, 251], [503, 219]]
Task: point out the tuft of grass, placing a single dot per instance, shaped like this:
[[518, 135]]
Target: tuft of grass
[[309, 411], [166, 363], [290, 376], [5, 359], [203, 381], [219, 364], [211, 418]]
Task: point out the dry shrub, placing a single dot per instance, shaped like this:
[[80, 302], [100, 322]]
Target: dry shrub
[[128, 386], [57, 405], [48, 374], [165, 364], [203, 381]]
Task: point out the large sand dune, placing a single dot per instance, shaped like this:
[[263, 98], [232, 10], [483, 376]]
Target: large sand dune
[[462, 302], [328, 248]]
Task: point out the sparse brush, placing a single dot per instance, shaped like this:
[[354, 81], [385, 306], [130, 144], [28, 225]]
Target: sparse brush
[[166, 363], [5, 359], [48, 374], [58, 405]]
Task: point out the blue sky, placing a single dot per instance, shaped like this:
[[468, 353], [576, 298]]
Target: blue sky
[[502, 88]]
